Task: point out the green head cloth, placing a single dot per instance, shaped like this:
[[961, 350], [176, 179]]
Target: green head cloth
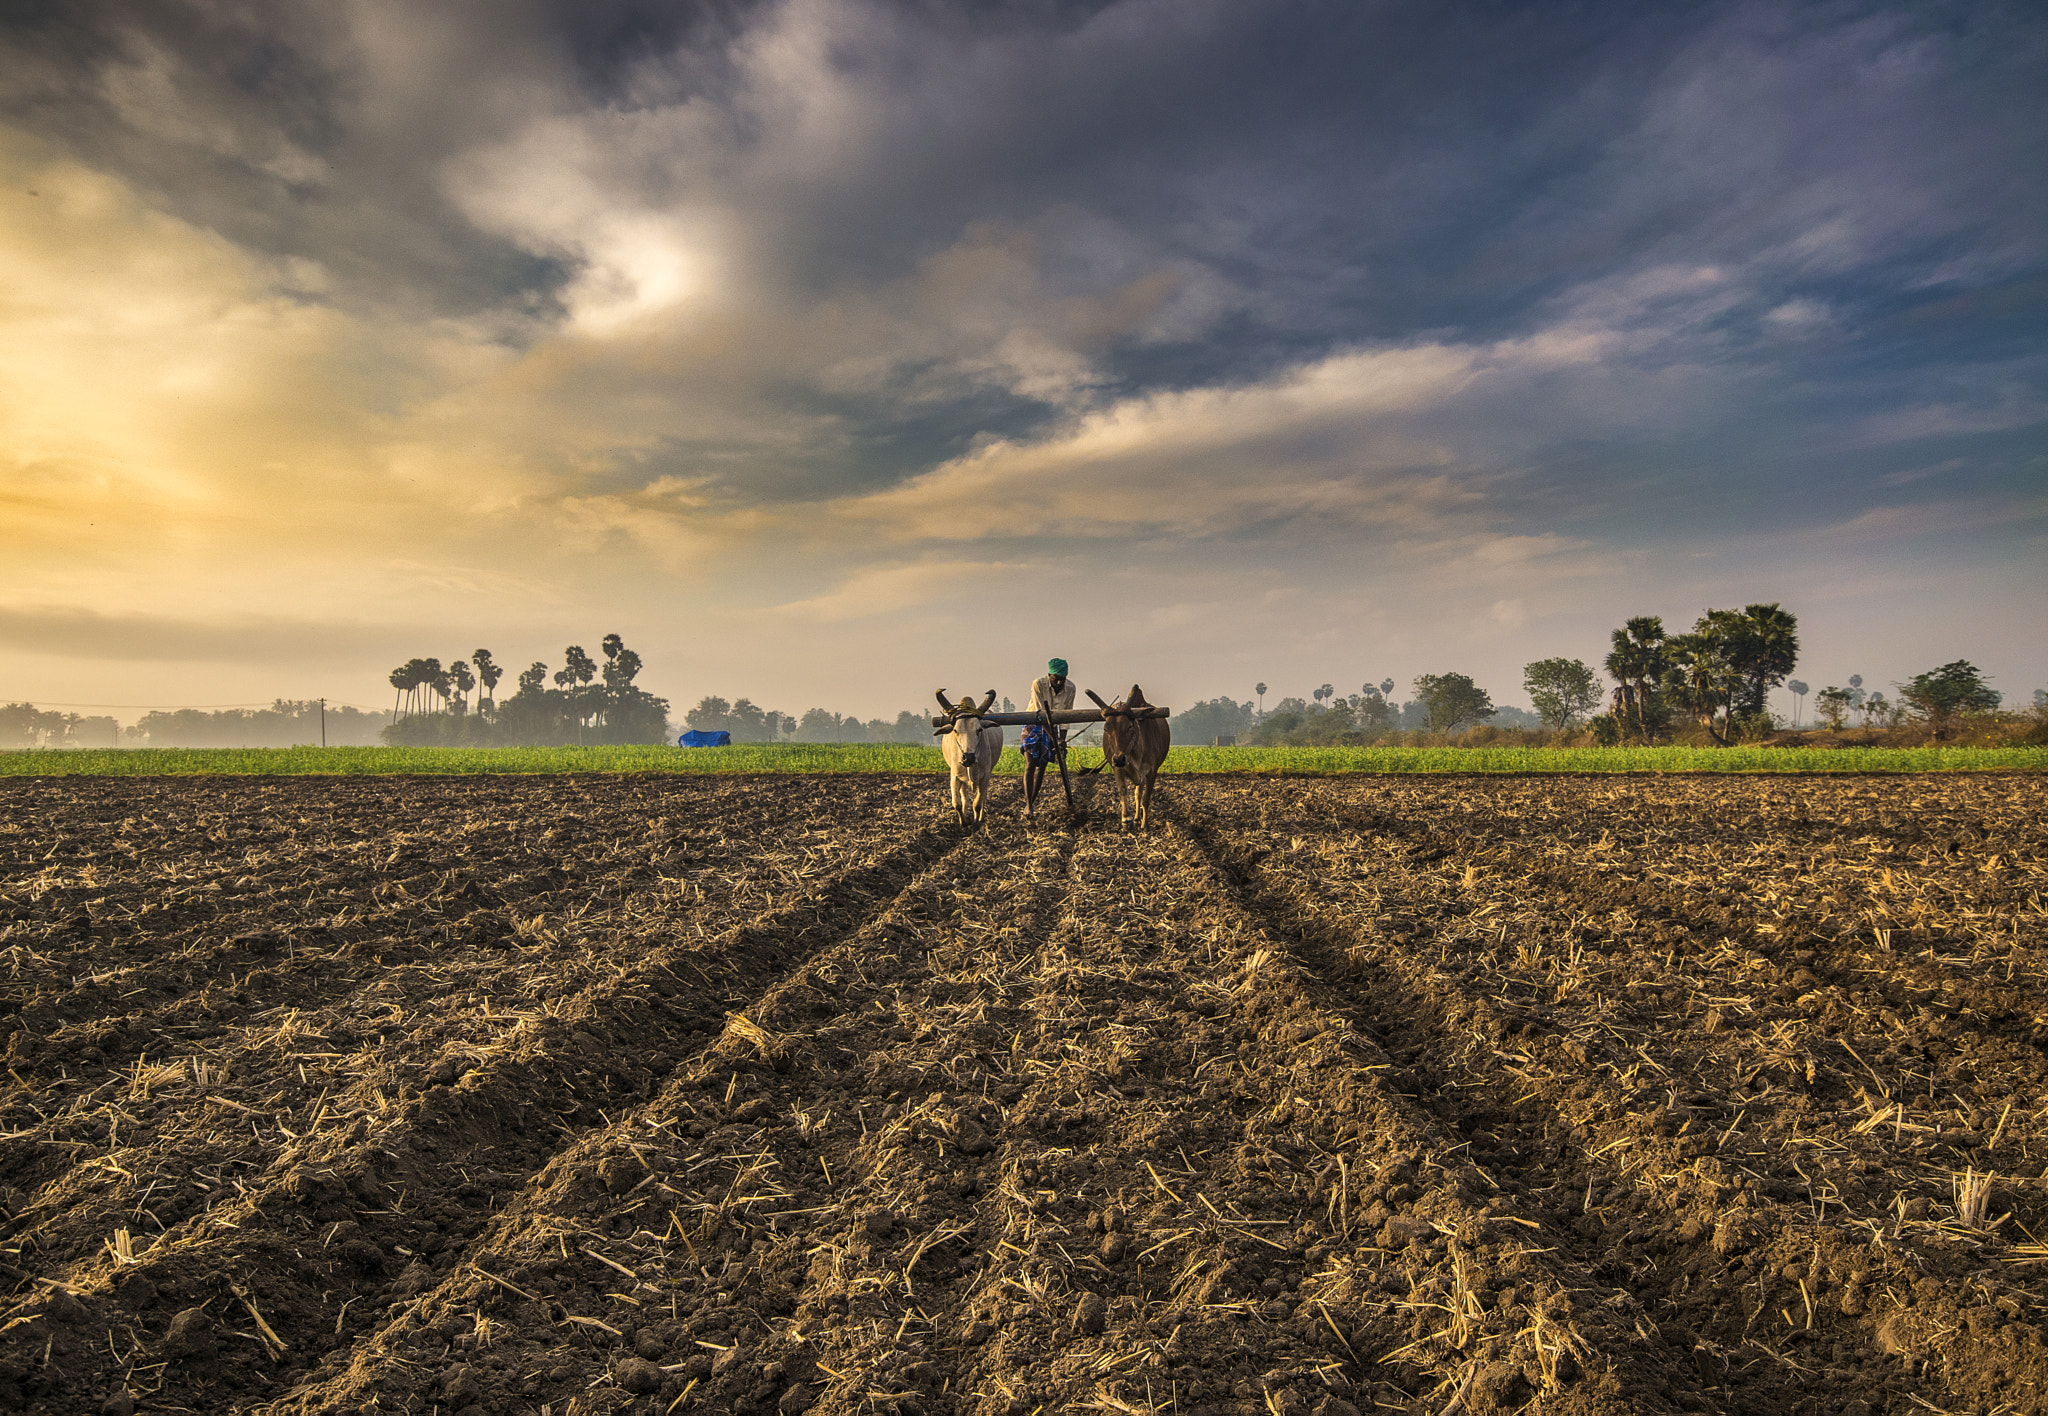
[[1057, 666]]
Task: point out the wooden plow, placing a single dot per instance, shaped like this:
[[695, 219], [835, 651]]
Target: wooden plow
[[1053, 720]]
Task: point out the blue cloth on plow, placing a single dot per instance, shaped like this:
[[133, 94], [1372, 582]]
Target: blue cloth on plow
[[1038, 746]]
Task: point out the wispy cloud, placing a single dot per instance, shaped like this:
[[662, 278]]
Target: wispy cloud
[[71, 632]]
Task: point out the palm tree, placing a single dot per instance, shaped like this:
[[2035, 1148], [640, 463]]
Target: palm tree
[[1325, 691], [1769, 650], [1798, 691], [433, 677], [488, 673], [578, 668], [1262, 700], [460, 676], [1637, 662], [409, 678], [1706, 682]]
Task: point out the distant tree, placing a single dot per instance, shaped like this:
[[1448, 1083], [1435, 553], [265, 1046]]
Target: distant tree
[[1386, 688], [415, 677], [819, 725], [1856, 694], [1563, 690], [750, 722], [1831, 706], [577, 670], [1325, 692], [25, 725], [434, 678], [1941, 697], [1638, 663], [535, 679], [1761, 644], [621, 666], [488, 673], [1261, 691], [1798, 691], [461, 681], [712, 714], [1373, 714], [1452, 701], [1876, 712], [1213, 718], [1703, 678]]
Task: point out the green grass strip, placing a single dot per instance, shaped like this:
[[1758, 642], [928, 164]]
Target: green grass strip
[[884, 757]]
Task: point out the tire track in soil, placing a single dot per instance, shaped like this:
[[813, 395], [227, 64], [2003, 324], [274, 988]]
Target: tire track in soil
[[410, 1177], [1663, 1206]]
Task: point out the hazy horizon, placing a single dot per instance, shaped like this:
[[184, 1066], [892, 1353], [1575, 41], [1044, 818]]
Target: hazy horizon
[[832, 352]]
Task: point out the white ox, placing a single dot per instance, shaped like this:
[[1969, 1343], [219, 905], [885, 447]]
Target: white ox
[[972, 748]]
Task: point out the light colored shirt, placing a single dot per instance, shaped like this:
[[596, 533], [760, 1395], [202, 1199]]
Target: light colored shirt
[[1042, 695]]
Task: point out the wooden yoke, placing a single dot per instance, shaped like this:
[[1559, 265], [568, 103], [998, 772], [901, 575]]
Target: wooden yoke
[[1059, 717]]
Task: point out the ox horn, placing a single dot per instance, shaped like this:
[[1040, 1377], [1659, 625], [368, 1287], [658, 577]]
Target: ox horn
[[944, 702], [988, 702]]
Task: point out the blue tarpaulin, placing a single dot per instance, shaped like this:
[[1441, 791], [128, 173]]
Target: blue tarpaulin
[[696, 738]]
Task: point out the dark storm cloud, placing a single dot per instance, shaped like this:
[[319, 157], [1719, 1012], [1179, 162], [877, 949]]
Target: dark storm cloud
[[930, 224]]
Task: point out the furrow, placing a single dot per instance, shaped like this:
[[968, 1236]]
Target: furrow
[[1715, 1229], [399, 1167], [789, 1205]]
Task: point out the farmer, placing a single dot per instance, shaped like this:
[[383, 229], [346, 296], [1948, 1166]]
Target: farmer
[[1054, 691]]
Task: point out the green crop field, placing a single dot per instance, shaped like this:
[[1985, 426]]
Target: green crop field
[[885, 757]]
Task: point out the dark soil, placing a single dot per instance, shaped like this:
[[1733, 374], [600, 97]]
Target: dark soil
[[783, 1094]]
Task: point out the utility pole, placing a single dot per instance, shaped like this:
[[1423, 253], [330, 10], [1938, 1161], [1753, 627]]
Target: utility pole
[[323, 722]]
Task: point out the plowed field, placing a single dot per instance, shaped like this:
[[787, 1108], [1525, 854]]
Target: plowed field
[[1440, 1095]]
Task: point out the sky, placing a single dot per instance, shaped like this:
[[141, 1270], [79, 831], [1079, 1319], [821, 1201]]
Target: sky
[[834, 351]]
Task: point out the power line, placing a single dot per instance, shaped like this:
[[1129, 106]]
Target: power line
[[174, 707]]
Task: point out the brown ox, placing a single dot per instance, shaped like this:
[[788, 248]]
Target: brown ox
[[1135, 747]]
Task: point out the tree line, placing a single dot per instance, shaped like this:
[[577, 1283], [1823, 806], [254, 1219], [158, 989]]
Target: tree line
[[1713, 680], [287, 722], [747, 721], [589, 702], [23, 725]]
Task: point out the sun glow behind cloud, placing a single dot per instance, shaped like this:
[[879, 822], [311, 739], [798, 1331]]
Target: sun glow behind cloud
[[794, 329]]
